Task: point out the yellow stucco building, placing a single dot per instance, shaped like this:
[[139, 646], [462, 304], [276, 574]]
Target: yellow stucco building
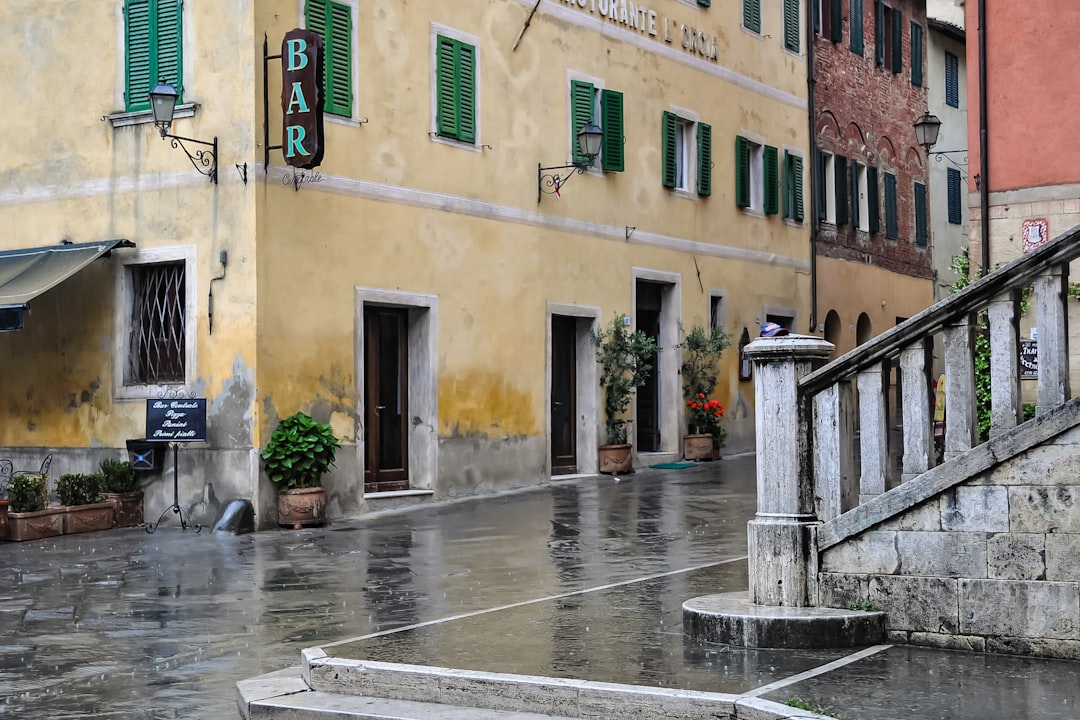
[[425, 289]]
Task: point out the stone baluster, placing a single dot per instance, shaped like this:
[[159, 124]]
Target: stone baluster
[[960, 416], [779, 536], [1006, 409], [918, 441], [834, 446], [1051, 297], [873, 432]]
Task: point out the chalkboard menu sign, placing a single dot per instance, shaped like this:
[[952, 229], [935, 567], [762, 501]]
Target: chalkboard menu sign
[[176, 420]]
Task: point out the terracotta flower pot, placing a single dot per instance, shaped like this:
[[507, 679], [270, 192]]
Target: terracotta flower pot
[[87, 518], [616, 459], [303, 506], [697, 447], [36, 525], [127, 508]]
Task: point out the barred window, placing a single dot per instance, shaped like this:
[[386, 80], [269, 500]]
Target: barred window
[[156, 347]]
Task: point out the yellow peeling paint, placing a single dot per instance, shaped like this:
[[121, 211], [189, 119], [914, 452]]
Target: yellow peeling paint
[[485, 404]]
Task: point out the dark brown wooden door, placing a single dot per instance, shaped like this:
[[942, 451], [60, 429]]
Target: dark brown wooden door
[[648, 395], [386, 395], [563, 395]]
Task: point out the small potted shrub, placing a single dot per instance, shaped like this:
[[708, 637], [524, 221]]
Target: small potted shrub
[[625, 358], [299, 452], [700, 369], [29, 516], [120, 488], [84, 509]]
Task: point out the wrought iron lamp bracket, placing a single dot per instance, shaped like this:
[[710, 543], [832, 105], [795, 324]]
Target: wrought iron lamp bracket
[[205, 161], [960, 165], [550, 183]]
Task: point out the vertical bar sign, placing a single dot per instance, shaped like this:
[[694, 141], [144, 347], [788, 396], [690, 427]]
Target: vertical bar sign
[[302, 98]]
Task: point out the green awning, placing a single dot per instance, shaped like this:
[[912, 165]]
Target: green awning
[[25, 274]]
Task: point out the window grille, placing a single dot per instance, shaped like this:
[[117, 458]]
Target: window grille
[[156, 352]]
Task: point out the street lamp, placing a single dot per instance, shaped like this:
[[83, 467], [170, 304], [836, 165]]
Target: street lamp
[[589, 140], [926, 130], [163, 104]]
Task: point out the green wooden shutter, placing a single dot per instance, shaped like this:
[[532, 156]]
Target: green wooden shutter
[[612, 157], [169, 45], [799, 210], [704, 3], [337, 63], [879, 32], [855, 18], [952, 80], [772, 181], [581, 114], [669, 128], [920, 214], [751, 14], [138, 50], [742, 172], [840, 187], [791, 25], [854, 189], [892, 229], [873, 201], [445, 88], [836, 21], [916, 53], [953, 182], [819, 186], [897, 41], [704, 159], [466, 86]]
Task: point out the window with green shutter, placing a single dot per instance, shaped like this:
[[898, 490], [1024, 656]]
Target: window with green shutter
[[582, 112], [955, 196], [612, 157], [916, 54], [791, 26], [856, 171], [892, 228], [920, 214], [772, 180], [153, 40], [879, 32], [704, 159], [669, 132], [793, 187], [873, 200], [333, 22], [836, 21], [821, 185], [897, 24], [840, 183], [455, 89], [855, 26], [952, 80], [751, 15], [704, 3], [742, 171]]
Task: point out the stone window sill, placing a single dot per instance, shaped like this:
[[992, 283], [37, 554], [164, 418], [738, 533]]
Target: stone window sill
[[140, 117]]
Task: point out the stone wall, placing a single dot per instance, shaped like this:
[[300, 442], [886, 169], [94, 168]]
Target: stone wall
[[992, 563]]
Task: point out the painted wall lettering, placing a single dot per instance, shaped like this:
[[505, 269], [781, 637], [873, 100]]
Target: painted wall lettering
[[302, 98], [642, 19]]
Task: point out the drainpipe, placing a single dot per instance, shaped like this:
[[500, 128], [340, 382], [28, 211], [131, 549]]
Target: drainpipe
[[810, 165], [984, 144]]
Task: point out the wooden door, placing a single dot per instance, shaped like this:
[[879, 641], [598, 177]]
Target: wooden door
[[386, 395], [563, 395], [648, 395]]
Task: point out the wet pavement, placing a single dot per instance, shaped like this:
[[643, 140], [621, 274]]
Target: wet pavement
[[583, 578]]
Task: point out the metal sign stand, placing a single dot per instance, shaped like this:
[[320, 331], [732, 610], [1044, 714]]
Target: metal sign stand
[[176, 498]]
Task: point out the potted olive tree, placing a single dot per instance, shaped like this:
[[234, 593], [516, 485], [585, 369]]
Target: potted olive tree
[[30, 517], [120, 488], [299, 452], [625, 358], [700, 369], [84, 510]]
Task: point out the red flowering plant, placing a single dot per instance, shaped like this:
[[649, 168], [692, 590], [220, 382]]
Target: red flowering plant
[[705, 417]]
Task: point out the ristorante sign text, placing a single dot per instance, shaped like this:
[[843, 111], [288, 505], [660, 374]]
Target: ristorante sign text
[[647, 21]]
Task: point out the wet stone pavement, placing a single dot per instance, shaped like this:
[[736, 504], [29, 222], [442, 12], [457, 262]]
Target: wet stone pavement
[[583, 578]]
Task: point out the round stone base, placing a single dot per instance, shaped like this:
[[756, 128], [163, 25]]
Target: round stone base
[[732, 619]]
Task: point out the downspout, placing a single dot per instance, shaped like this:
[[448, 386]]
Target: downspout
[[984, 144], [811, 166]]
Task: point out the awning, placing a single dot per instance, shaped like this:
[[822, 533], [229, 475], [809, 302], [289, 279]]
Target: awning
[[25, 274]]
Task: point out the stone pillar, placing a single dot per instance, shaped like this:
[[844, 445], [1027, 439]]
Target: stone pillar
[[778, 537]]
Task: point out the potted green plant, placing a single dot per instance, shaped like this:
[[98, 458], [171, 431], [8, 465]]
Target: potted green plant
[[84, 509], [299, 452], [29, 516], [625, 357], [120, 488], [700, 369]]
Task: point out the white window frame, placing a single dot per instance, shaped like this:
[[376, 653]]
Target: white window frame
[[863, 199], [477, 145], [123, 297], [757, 172], [828, 159], [354, 113], [686, 122]]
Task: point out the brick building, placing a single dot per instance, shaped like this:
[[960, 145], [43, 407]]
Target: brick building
[[871, 219]]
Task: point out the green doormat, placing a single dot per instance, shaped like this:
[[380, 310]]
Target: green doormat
[[673, 465]]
